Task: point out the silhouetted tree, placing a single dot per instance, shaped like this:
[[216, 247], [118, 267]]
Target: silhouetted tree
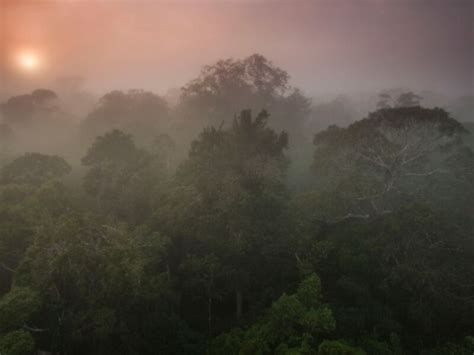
[[34, 168], [408, 99], [226, 87], [24, 108], [141, 113], [377, 157], [384, 101], [121, 177]]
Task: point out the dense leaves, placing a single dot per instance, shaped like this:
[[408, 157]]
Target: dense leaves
[[136, 111], [290, 325], [34, 169], [23, 108], [228, 86], [379, 162], [137, 250]]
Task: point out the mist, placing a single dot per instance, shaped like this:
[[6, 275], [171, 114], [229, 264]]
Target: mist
[[326, 46], [236, 177]]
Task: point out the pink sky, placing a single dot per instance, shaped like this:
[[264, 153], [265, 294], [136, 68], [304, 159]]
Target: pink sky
[[326, 46]]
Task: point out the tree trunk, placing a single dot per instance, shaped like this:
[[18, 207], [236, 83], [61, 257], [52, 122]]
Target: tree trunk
[[168, 271], [238, 304], [209, 315]]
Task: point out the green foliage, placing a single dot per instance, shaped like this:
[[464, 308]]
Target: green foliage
[[114, 146], [338, 347], [408, 99], [17, 342], [232, 193], [217, 254], [6, 140], [17, 306], [23, 108], [121, 177], [94, 282], [376, 164], [402, 271], [292, 321], [224, 88], [465, 347], [137, 112], [15, 236], [253, 76], [34, 169]]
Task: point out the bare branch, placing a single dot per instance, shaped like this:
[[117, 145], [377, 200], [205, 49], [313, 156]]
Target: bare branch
[[436, 171], [7, 268], [34, 329]]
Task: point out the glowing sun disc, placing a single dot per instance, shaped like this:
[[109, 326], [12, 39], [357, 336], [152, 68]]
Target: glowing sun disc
[[28, 61]]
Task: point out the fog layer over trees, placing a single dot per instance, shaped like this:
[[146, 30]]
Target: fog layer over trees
[[239, 216]]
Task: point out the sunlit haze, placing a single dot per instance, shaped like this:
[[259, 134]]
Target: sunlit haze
[[326, 46], [229, 177], [28, 61]]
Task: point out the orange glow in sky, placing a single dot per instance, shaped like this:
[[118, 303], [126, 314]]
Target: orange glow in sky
[[326, 46], [28, 61]]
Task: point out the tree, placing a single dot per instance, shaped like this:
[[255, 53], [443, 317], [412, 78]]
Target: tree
[[121, 177], [405, 273], [138, 112], [24, 108], [6, 139], [18, 342], [223, 89], [29, 192], [226, 87], [230, 201], [15, 237], [338, 347], [239, 174], [408, 99], [291, 325], [201, 276], [252, 78], [377, 160], [6, 133], [163, 148], [100, 289], [384, 101], [16, 309], [34, 169]]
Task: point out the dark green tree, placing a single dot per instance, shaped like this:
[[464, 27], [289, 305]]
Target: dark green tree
[[34, 169], [408, 99], [224, 88], [384, 101], [230, 201], [121, 177], [138, 112], [294, 324], [24, 108], [377, 163]]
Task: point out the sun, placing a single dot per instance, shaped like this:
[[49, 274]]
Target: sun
[[28, 61]]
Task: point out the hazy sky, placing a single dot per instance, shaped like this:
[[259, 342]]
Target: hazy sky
[[326, 46]]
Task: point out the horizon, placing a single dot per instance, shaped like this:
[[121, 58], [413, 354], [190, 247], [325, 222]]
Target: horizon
[[326, 47]]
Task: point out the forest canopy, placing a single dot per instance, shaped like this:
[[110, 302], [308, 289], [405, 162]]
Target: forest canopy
[[244, 218]]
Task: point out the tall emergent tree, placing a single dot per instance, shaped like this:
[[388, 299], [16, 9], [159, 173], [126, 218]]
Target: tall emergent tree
[[230, 201], [34, 169], [121, 177], [224, 88], [23, 109], [138, 112], [381, 161]]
